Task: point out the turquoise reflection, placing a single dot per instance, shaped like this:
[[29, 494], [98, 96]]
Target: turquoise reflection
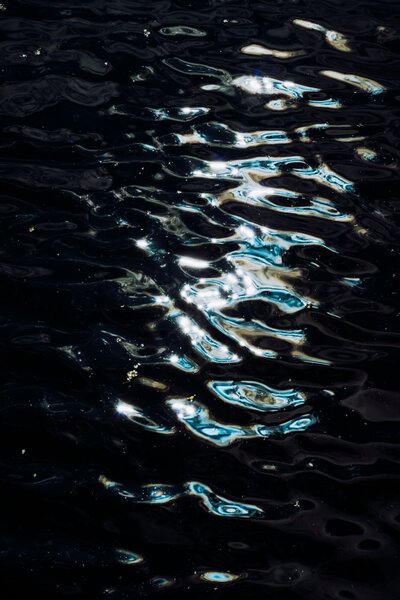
[[241, 330], [250, 84], [183, 363], [196, 418], [255, 395], [163, 494], [260, 195], [266, 166], [203, 343], [222, 507], [219, 134], [218, 577], [126, 557]]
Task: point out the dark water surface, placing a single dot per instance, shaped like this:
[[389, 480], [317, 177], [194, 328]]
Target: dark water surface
[[199, 275]]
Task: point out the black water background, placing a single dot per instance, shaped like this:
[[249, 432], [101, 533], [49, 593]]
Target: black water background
[[332, 512]]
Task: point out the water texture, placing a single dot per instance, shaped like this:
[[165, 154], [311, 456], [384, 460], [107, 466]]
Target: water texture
[[200, 332]]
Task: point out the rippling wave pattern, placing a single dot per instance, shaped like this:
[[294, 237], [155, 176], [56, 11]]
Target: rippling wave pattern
[[200, 307]]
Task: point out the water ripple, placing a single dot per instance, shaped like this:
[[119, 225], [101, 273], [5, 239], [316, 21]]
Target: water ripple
[[199, 265]]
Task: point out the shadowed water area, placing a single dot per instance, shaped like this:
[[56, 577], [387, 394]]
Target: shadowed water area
[[199, 308]]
